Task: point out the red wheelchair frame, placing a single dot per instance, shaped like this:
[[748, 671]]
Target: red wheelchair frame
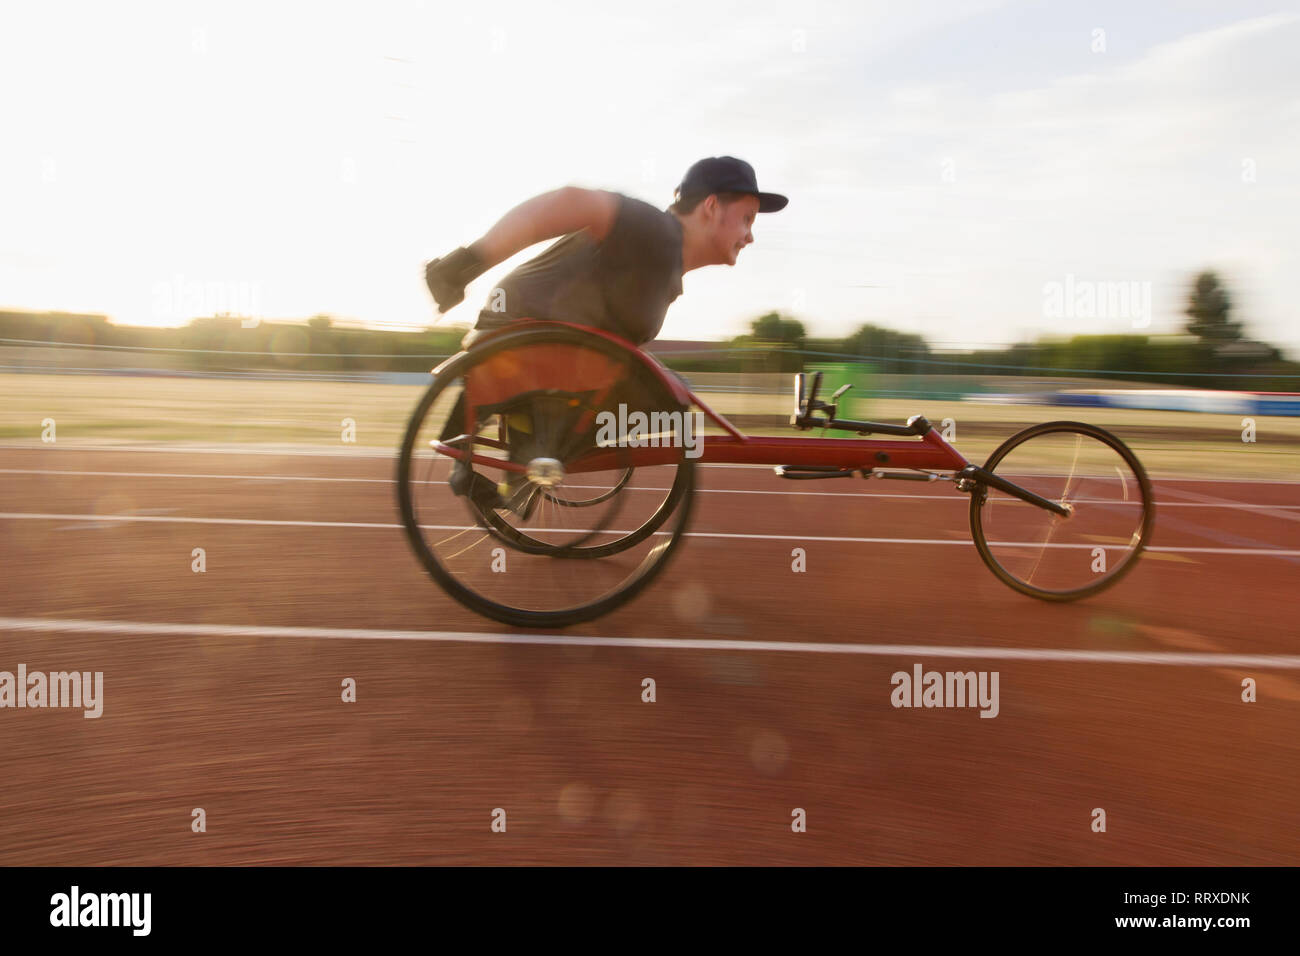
[[797, 458], [541, 368]]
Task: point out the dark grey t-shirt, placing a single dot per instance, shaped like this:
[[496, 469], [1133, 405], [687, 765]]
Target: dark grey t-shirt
[[623, 284]]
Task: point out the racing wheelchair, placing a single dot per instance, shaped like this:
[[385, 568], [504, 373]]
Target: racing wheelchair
[[593, 444]]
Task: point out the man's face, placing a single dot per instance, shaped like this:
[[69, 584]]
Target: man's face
[[731, 228]]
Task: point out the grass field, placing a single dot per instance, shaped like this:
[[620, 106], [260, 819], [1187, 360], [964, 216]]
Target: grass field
[[107, 409]]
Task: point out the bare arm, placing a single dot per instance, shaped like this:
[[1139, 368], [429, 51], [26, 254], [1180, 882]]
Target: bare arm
[[548, 216]]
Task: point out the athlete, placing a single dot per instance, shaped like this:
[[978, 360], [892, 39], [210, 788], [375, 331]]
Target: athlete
[[617, 266]]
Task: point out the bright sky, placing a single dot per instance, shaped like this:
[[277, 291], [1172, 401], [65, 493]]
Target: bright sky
[[945, 162]]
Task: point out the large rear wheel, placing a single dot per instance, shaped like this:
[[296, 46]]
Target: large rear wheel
[[586, 523]]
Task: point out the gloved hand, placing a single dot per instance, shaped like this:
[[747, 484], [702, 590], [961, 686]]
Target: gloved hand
[[448, 276]]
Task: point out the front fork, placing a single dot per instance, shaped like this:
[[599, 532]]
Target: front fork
[[977, 480]]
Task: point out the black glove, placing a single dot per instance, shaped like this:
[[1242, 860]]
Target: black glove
[[448, 276]]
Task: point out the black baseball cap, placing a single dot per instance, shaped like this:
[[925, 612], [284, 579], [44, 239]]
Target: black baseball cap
[[726, 174]]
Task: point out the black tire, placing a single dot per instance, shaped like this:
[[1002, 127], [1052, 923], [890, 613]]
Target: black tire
[[669, 518], [1141, 523]]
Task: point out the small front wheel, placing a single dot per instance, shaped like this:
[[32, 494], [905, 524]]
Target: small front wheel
[[1048, 556]]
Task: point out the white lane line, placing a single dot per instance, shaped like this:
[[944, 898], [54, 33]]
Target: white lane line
[[141, 628], [376, 451], [37, 516], [1210, 501], [165, 474], [715, 491], [178, 448], [183, 520]]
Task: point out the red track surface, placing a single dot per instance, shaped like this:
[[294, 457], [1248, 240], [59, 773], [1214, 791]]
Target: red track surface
[[251, 728]]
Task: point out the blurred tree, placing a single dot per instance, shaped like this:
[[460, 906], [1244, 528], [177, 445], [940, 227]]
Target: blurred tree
[[1208, 306], [772, 345], [319, 323], [896, 351], [773, 328]]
